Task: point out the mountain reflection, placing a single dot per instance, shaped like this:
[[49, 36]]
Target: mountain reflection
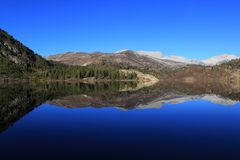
[[16, 100]]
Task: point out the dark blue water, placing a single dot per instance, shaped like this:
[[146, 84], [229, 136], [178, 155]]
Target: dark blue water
[[191, 130]]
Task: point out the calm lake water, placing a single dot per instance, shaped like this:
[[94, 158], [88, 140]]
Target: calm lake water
[[115, 121]]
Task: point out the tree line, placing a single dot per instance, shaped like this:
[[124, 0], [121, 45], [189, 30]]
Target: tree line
[[63, 72]]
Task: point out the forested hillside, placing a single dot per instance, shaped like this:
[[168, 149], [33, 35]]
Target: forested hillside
[[19, 62], [64, 72]]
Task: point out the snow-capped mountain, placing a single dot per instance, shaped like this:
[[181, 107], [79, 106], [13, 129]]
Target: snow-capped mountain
[[159, 56], [141, 59], [219, 59], [207, 62]]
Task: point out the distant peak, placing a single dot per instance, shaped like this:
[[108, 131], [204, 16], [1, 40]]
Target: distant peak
[[219, 59], [225, 56], [122, 50]]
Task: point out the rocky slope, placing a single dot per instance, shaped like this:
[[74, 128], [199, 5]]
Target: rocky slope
[[17, 60], [15, 52]]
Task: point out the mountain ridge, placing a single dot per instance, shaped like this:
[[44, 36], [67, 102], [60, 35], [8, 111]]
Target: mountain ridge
[[124, 59], [156, 57]]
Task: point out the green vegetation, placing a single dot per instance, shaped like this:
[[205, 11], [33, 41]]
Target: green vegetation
[[9, 68], [56, 71], [64, 72]]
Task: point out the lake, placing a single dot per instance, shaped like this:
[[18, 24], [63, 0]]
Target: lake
[[119, 121]]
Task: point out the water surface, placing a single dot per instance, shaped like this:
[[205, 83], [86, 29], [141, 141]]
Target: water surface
[[114, 121]]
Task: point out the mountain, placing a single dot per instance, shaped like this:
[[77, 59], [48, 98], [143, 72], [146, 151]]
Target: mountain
[[18, 61], [122, 59], [219, 59], [140, 59]]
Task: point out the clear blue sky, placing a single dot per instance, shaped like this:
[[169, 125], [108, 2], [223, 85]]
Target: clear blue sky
[[192, 28]]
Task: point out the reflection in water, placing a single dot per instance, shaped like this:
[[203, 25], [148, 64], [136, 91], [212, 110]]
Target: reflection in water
[[17, 100], [192, 130]]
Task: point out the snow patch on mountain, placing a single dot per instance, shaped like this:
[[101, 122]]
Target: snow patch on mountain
[[219, 59], [183, 60], [151, 54], [160, 57], [122, 50]]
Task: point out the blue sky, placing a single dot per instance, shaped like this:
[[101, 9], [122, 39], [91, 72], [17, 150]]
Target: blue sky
[[194, 29]]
